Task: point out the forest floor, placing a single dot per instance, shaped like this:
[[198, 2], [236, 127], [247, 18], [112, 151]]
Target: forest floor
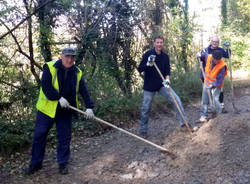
[[218, 153]]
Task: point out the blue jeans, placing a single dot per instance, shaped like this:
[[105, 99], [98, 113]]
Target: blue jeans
[[216, 107], [147, 102]]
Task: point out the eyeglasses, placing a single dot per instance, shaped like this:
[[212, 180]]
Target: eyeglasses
[[215, 41]]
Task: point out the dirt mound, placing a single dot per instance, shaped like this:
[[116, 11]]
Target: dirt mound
[[218, 153]]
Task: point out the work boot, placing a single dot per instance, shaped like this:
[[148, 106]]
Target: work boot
[[32, 169], [222, 105], [203, 119], [223, 110], [194, 128], [63, 169]]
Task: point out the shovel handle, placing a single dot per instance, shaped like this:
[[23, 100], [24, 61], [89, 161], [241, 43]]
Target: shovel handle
[[172, 96], [208, 90]]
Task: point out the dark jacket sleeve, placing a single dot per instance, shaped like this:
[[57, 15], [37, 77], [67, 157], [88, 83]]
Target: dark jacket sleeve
[[89, 103], [225, 53], [143, 65], [47, 87], [204, 52]]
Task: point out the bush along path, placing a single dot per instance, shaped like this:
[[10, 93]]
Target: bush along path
[[217, 153]]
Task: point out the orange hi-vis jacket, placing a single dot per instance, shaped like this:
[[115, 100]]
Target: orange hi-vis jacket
[[210, 75]]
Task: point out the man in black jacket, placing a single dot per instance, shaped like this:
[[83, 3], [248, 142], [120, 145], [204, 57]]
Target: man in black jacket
[[153, 83], [61, 83]]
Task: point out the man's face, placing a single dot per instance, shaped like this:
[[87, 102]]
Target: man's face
[[67, 61], [158, 44], [215, 43]]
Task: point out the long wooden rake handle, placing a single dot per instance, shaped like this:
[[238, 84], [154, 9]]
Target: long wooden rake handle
[[172, 155], [172, 96]]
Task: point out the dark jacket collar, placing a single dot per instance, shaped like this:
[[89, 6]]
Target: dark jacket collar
[[154, 52]]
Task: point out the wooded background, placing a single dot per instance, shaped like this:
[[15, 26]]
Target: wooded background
[[110, 37]]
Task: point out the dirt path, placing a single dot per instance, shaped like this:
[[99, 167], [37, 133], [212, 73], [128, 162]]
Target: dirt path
[[218, 153]]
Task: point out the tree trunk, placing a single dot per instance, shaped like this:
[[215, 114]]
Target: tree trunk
[[45, 21], [31, 52]]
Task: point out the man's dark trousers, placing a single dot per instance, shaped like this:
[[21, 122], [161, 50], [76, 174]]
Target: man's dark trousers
[[43, 124]]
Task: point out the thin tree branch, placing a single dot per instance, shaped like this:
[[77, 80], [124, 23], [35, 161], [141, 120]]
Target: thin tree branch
[[19, 46], [10, 84], [22, 21], [32, 61]]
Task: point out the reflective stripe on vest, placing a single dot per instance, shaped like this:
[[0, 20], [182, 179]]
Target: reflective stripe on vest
[[47, 106], [210, 75]]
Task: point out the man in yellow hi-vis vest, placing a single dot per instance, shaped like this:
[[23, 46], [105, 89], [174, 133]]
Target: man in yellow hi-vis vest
[[61, 83]]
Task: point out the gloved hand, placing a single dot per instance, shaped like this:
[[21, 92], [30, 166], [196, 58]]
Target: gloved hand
[[166, 83], [227, 44], [151, 60], [63, 102], [89, 113]]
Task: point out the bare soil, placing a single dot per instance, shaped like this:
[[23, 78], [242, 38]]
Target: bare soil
[[218, 153]]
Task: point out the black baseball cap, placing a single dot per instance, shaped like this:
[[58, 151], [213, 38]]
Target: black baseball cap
[[217, 54]]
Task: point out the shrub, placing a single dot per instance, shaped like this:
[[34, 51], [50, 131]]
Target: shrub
[[187, 85], [14, 136]]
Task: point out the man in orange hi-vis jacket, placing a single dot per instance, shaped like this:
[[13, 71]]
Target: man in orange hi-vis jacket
[[214, 75]]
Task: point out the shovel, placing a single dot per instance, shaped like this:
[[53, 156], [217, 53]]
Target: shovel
[[173, 98], [172, 155], [208, 90]]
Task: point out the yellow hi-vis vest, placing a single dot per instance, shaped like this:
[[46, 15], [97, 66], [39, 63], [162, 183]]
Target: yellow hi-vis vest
[[47, 106], [210, 75]]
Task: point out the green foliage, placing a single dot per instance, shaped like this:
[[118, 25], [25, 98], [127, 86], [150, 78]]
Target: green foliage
[[224, 11], [15, 136], [172, 3], [118, 106], [108, 97], [187, 85], [177, 29], [236, 31], [240, 56], [239, 16], [5, 8]]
